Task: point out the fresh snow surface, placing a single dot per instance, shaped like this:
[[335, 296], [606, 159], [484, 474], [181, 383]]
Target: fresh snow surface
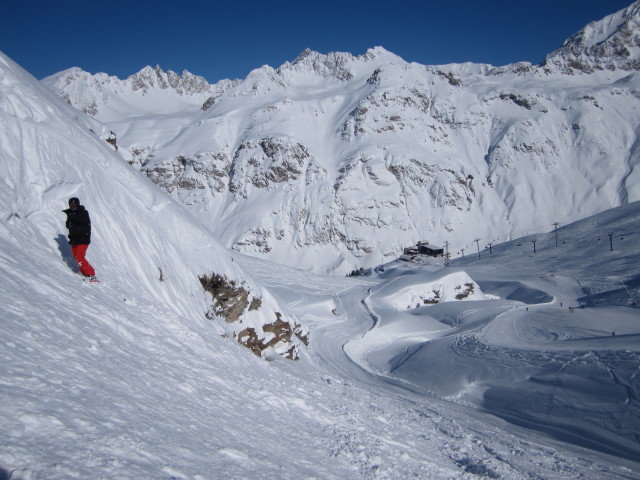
[[555, 347], [127, 379]]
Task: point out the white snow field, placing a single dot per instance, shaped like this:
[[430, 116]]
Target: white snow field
[[127, 379], [556, 349]]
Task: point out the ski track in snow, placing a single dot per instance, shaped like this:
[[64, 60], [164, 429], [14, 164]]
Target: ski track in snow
[[127, 389], [468, 440]]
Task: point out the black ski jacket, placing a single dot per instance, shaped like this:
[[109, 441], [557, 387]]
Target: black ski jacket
[[79, 225]]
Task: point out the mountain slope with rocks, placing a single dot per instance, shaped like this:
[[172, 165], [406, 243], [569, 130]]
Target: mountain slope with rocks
[[50, 153], [334, 162]]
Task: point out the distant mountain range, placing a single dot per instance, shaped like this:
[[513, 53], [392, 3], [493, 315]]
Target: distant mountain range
[[333, 162]]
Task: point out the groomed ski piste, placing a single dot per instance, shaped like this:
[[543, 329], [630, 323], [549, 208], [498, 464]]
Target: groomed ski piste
[[500, 365]]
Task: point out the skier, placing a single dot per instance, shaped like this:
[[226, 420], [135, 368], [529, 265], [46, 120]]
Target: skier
[[79, 225]]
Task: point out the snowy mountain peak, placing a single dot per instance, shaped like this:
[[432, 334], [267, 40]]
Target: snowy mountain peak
[[340, 65], [93, 93], [185, 84], [309, 57], [381, 54], [609, 44], [334, 64]]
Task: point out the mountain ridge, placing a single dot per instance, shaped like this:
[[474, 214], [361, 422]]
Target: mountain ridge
[[332, 162], [611, 43]]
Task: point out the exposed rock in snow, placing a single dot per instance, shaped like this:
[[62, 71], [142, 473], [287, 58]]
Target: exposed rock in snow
[[231, 302], [64, 154], [609, 44]]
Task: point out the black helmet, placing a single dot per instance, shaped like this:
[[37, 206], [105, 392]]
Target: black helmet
[[74, 202]]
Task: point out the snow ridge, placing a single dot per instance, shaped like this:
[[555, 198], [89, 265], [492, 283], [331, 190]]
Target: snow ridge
[[609, 44]]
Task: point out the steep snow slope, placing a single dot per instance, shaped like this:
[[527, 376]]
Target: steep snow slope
[[332, 162], [126, 379], [143, 242]]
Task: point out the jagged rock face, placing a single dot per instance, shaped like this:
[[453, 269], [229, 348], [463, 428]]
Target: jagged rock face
[[612, 43], [193, 179], [267, 162], [336, 161], [186, 84]]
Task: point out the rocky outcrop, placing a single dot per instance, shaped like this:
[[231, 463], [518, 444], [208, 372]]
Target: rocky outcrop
[[149, 78], [233, 302], [267, 162], [193, 179], [609, 44], [278, 332]]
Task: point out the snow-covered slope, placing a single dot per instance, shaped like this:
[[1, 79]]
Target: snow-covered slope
[[127, 378], [555, 347], [144, 244], [332, 162]]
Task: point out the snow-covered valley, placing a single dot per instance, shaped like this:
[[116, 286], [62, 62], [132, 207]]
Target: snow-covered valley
[[518, 359]]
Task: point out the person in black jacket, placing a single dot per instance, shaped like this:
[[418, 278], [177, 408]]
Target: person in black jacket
[[79, 225]]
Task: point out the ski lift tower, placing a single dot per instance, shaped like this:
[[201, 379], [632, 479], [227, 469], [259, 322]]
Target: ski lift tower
[[446, 253], [556, 224]]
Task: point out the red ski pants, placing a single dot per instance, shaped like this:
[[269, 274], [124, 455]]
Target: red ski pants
[[78, 252]]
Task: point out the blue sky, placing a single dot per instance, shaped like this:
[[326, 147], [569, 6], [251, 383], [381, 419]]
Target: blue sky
[[228, 39]]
